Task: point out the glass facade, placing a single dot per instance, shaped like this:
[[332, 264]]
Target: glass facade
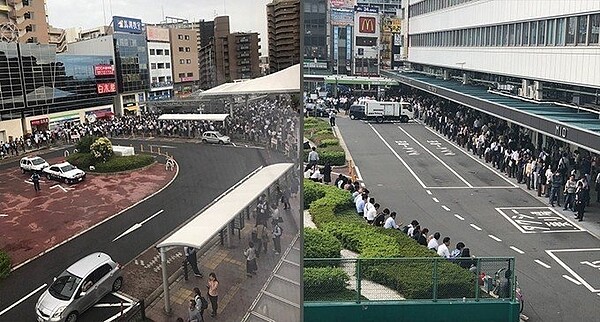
[[131, 55], [51, 82], [315, 29]]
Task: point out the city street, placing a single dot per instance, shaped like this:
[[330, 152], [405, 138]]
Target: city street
[[205, 171], [412, 170]]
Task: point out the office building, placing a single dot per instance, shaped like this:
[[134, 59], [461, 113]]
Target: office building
[[283, 21], [315, 55], [184, 58], [367, 33], [42, 90], [23, 21], [159, 57]]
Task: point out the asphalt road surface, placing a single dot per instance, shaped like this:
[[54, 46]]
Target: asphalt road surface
[[415, 172], [206, 171]]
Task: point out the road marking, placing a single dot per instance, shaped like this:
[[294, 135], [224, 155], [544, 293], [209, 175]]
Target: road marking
[[233, 144], [576, 282], [23, 299], [515, 211], [510, 220], [566, 267], [473, 187], [399, 158], [138, 225], [542, 263], [446, 208], [27, 181], [435, 199], [358, 175], [459, 216], [438, 158], [163, 146], [3, 215], [474, 158], [112, 304], [475, 227], [495, 238], [517, 250], [62, 188], [429, 192]]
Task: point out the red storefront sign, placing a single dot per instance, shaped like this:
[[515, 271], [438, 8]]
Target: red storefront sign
[[366, 25], [104, 70], [39, 122], [104, 88]]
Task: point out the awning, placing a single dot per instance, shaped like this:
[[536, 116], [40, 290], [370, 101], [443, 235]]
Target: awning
[[194, 117], [103, 114], [211, 221], [283, 81]]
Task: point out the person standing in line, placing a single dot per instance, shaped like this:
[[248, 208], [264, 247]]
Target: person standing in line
[[277, 232], [35, 177], [313, 157], [190, 255], [570, 188], [194, 314], [555, 185], [332, 118], [213, 293], [201, 303], [250, 254], [327, 173]]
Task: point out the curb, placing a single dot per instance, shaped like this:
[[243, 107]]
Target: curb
[[349, 159]]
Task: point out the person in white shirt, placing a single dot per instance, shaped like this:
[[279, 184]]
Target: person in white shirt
[[316, 175], [433, 242], [411, 227], [390, 222], [368, 205], [443, 248]]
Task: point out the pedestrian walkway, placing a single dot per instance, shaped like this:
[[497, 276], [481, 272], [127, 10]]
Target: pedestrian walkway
[[237, 292]]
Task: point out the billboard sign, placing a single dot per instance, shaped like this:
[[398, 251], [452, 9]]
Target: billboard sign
[[367, 25], [104, 70], [105, 88], [342, 17], [157, 34], [129, 25], [342, 3], [391, 24], [367, 9]]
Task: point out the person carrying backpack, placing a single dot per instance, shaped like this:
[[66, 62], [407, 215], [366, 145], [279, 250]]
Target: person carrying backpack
[[277, 232], [201, 302]]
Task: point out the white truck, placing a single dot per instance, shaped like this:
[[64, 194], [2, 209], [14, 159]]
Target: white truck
[[387, 111]]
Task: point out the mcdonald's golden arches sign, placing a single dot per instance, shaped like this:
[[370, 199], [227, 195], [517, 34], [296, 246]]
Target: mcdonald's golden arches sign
[[367, 25]]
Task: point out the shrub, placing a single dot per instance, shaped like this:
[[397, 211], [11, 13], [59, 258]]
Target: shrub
[[5, 264], [312, 192], [81, 160], [325, 201], [321, 280], [319, 244], [83, 146], [333, 157], [101, 149], [328, 142], [118, 163]]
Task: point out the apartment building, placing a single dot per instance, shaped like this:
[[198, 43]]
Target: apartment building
[[159, 57], [184, 58], [283, 21], [23, 21]]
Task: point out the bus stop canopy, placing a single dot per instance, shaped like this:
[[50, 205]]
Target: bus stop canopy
[[194, 117], [283, 81], [211, 221]]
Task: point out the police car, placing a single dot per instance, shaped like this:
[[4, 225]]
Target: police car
[[33, 164], [65, 172]]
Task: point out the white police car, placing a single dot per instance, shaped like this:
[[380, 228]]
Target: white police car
[[65, 172], [33, 164]]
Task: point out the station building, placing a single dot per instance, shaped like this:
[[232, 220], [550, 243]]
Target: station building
[[533, 64]]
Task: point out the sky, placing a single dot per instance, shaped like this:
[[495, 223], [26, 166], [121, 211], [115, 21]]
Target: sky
[[244, 15]]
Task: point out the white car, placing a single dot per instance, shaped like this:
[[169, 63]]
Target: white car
[[78, 288], [65, 172], [215, 137], [33, 164]]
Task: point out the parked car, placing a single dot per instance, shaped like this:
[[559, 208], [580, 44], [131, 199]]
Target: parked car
[[78, 288], [64, 172], [215, 137], [357, 112], [31, 164]]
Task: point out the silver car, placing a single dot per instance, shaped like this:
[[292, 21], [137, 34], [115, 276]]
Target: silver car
[[79, 287], [215, 137]]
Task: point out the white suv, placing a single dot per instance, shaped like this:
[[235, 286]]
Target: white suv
[[215, 137], [65, 172], [31, 164]]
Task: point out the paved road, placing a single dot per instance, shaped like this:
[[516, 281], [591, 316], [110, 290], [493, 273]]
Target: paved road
[[206, 171], [417, 173]]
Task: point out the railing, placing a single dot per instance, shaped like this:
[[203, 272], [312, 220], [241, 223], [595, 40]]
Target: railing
[[397, 279], [161, 84]]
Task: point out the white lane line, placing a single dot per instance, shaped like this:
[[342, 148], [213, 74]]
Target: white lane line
[[495, 238], [517, 250], [112, 304], [474, 187], [568, 269], [3, 215], [446, 208], [358, 175], [23, 299], [459, 216], [474, 158], [475, 227], [515, 211], [438, 158], [429, 192], [399, 158], [435, 199], [576, 282], [542, 263]]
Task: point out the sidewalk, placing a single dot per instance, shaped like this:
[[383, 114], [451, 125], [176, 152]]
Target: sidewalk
[[237, 292]]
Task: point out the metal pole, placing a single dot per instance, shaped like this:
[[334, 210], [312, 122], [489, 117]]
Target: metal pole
[[435, 280], [478, 272], [229, 234], [163, 262], [358, 280]]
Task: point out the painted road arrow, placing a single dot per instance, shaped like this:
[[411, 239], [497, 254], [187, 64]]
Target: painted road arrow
[[138, 225], [62, 188]]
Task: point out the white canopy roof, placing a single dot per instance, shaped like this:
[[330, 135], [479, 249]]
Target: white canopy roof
[[194, 117], [283, 81], [207, 224]]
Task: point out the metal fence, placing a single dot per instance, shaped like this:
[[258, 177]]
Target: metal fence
[[396, 279]]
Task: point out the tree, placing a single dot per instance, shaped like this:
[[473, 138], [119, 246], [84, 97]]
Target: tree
[[101, 149]]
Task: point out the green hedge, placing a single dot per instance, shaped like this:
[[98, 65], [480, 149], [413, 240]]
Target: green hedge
[[328, 142], [334, 214], [114, 164], [322, 280], [319, 244], [84, 144], [319, 132], [5, 264]]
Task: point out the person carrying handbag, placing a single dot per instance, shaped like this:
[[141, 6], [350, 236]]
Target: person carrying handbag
[[277, 232]]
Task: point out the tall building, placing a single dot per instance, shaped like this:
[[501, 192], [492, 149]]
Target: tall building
[[57, 36], [367, 37], [283, 17], [341, 22], [159, 57], [184, 57], [316, 58], [23, 21]]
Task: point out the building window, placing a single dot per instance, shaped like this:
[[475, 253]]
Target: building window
[[152, 52], [188, 61], [525, 34], [160, 65], [594, 29], [533, 33], [167, 52], [187, 37], [181, 75], [187, 49], [168, 65], [169, 79], [154, 79], [582, 22], [571, 30], [518, 34], [561, 30], [550, 32], [181, 49], [153, 66], [182, 61], [190, 74], [159, 52], [541, 38], [180, 37]]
